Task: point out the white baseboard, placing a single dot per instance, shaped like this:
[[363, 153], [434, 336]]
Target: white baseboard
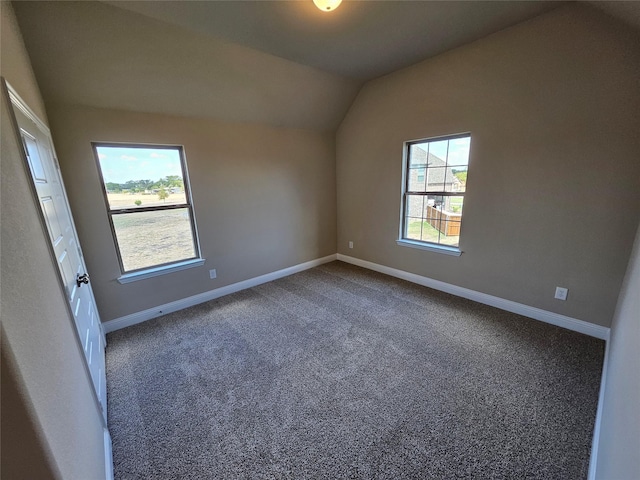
[[557, 319], [108, 455], [595, 443], [143, 316], [574, 324]]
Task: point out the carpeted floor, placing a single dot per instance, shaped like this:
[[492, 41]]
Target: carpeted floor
[[340, 372]]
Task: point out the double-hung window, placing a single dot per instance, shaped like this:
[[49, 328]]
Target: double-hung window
[[434, 185], [146, 191]]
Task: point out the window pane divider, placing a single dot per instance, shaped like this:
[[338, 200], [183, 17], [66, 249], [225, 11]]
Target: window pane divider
[[153, 208], [439, 193]]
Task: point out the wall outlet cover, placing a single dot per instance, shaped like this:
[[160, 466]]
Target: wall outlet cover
[[561, 293]]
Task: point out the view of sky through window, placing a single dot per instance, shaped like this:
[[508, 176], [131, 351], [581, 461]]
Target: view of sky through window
[[121, 164], [145, 171]]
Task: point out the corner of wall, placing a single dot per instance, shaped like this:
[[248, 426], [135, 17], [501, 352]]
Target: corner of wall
[[617, 440]]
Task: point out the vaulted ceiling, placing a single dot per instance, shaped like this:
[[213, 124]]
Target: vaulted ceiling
[[282, 63], [361, 39]]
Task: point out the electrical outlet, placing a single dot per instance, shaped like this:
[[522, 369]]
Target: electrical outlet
[[561, 293], [212, 273], [350, 244]]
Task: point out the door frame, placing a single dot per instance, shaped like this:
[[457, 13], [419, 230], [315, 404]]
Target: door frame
[[14, 100]]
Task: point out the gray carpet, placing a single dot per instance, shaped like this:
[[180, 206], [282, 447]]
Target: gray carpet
[[340, 372]]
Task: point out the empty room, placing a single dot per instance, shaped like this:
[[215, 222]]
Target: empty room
[[320, 239]]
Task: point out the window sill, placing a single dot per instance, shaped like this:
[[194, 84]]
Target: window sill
[[430, 247], [157, 271]]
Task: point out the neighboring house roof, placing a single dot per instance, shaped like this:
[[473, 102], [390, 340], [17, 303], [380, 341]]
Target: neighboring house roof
[[436, 176]]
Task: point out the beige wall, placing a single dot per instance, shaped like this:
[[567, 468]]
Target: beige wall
[[264, 199], [25, 453], [619, 441], [48, 408], [553, 197]]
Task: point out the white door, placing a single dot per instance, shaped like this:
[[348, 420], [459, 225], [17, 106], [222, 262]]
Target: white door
[[45, 173]]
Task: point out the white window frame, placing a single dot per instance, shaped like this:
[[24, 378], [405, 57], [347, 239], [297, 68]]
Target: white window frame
[[129, 276], [421, 244]]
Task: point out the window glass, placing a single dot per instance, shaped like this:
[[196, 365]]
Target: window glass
[[147, 197], [436, 181]]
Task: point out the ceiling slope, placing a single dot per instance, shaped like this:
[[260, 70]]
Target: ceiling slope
[[90, 53], [280, 63], [361, 39]]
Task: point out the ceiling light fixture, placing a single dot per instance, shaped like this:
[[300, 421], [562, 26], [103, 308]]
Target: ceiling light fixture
[[327, 5]]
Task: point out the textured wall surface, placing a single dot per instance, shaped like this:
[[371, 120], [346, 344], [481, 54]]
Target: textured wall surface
[[264, 199], [553, 192], [56, 421]]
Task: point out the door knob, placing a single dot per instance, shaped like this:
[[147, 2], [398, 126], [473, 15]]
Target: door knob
[[80, 279]]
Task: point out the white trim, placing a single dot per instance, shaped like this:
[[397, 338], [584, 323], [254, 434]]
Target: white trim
[[557, 319], [156, 271], [143, 316], [430, 247], [108, 456], [552, 318], [595, 443], [22, 106]]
